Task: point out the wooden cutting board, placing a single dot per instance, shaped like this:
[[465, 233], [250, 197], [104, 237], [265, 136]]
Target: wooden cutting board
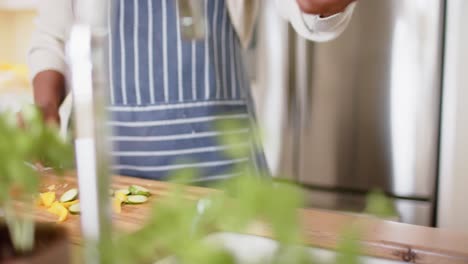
[[131, 217], [379, 238]]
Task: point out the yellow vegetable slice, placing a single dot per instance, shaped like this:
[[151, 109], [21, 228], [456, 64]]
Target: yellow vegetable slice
[[117, 205], [63, 215], [120, 196], [122, 192], [68, 204], [59, 210], [54, 208], [47, 198]]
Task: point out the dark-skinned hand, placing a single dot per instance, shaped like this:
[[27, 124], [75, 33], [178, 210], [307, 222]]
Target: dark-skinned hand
[[323, 8]]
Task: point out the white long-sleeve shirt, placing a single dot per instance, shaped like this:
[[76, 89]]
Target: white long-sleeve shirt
[[55, 17]]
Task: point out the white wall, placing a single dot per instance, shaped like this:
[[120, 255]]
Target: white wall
[[15, 33], [453, 187]]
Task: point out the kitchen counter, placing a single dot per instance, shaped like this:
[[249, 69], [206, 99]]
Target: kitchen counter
[[383, 239]]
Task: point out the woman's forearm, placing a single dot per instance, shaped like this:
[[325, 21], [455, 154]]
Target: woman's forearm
[[49, 92]]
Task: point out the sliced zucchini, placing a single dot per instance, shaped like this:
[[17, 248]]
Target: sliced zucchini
[[69, 195], [75, 208], [138, 190], [122, 191], [136, 199]]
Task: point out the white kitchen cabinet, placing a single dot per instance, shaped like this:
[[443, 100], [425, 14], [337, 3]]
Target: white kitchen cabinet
[[18, 5], [16, 27]]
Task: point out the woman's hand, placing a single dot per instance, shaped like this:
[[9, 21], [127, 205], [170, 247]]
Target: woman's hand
[[323, 8]]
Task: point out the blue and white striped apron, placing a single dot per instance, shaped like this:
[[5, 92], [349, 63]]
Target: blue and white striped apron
[[167, 93]]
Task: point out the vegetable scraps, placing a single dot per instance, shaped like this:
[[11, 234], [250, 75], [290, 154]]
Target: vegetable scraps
[[134, 194], [60, 207], [69, 202]]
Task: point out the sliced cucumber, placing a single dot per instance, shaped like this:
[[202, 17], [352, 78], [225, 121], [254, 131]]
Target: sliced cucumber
[[136, 199], [69, 195], [75, 208], [122, 191], [138, 190]]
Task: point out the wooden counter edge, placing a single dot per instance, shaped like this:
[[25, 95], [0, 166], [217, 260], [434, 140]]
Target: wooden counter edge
[[322, 229]]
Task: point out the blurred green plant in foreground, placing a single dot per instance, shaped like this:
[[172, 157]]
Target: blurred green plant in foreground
[[25, 139], [178, 226]]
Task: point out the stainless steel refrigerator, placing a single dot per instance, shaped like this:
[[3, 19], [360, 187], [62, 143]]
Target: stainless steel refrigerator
[[357, 113]]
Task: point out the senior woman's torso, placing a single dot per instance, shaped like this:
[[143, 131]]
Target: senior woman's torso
[[168, 94]]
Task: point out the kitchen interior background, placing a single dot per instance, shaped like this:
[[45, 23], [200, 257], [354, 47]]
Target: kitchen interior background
[[16, 27], [17, 24]]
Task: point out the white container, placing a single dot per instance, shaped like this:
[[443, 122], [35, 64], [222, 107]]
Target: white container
[[248, 249]]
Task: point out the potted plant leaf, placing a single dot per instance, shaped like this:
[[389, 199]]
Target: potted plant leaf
[[22, 143], [181, 231]]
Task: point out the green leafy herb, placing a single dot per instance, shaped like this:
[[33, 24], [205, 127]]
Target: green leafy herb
[[177, 228], [348, 247], [379, 205], [33, 141]]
